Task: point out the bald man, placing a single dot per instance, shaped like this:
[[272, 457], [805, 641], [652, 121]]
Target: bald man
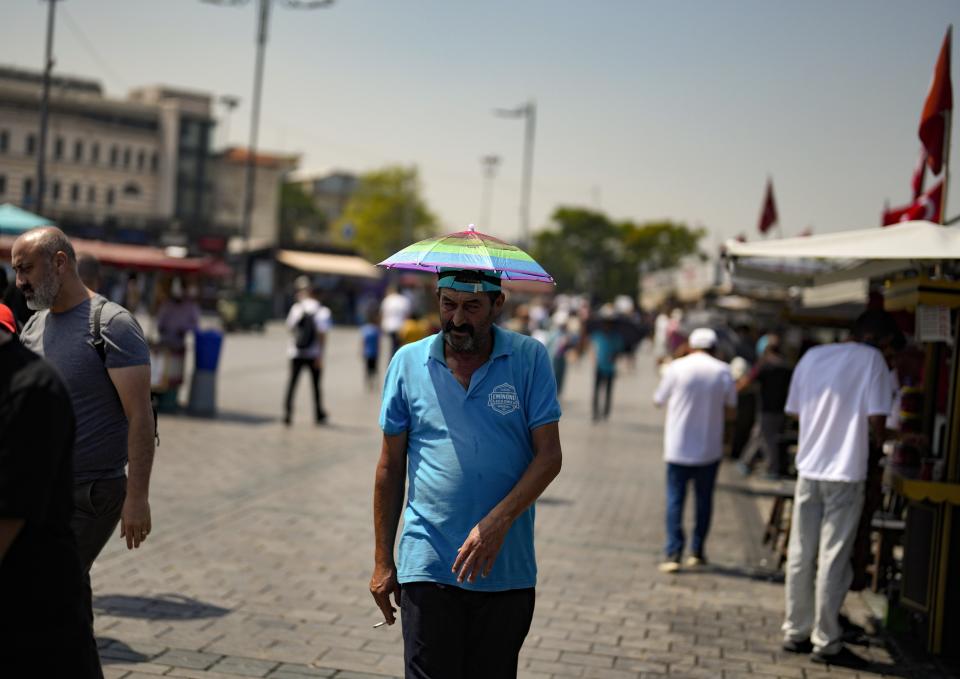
[[109, 387]]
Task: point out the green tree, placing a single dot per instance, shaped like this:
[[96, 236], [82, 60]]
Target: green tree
[[660, 245], [588, 252], [300, 220], [387, 212]]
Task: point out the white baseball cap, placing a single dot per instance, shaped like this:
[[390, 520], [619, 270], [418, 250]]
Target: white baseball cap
[[702, 338]]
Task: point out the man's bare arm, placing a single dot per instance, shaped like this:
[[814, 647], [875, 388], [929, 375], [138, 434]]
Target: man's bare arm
[[388, 491], [479, 552], [9, 529], [133, 387]]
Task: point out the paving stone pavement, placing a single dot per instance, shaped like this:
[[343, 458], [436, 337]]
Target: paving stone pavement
[[262, 546]]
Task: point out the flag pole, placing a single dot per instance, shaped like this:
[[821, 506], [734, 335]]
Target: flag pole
[[948, 123]]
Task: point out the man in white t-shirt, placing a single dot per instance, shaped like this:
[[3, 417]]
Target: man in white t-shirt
[[842, 395], [394, 310], [697, 389], [308, 322]]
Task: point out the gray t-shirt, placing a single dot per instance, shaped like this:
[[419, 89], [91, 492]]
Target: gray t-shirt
[[66, 341]]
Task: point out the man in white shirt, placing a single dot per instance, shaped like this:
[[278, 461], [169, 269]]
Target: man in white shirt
[[697, 389], [308, 322], [394, 310], [842, 395]]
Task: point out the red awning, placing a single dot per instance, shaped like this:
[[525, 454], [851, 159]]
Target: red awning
[[137, 257]]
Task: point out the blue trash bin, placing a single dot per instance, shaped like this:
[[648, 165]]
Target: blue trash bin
[[203, 387], [208, 343]]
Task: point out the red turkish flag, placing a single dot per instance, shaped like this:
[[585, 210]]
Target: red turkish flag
[[768, 216], [927, 207], [918, 175], [933, 122]]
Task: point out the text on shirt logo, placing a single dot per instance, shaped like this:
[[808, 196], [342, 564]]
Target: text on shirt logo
[[503, 399]]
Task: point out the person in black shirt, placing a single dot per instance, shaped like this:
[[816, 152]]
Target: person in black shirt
[[772, 374], [44, 630]]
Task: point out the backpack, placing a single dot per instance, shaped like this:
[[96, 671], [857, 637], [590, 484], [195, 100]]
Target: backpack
[[101, 346], [305, 333]]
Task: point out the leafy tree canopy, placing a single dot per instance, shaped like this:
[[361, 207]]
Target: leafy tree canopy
[[586, 251], [387, 212]]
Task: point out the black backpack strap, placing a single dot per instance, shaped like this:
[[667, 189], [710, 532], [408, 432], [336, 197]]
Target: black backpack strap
[[98, 342], [101, 346]]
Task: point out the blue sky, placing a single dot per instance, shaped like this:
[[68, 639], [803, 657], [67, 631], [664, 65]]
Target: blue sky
[[647, 110]]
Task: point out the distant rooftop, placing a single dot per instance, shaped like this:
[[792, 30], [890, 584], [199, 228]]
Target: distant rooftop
[[238, 155], [62, 82]]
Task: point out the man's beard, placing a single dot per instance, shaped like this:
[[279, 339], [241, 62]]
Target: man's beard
[[467, 344], [44, 293]]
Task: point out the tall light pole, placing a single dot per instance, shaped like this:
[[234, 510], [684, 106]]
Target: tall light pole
[[489, 164], [45, 108], [251, 164], [528, 112]]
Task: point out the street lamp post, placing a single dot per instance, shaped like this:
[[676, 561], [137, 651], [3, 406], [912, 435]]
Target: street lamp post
[[251, 165], [528, 112], [489, 164], [45, 108]]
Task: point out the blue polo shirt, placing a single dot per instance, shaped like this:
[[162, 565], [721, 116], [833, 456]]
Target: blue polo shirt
[[466, 450]]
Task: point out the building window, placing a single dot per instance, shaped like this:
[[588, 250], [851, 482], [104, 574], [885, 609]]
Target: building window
[[31, 144], [131, 190], [55, 191], [4, 141], [58, 148], [114, 156], [3, 184], [75, 193], [111, 195], [154, 161], [91, 194], [27, 190], [95, 153], [126, 157], [141, 160], [78, 151]]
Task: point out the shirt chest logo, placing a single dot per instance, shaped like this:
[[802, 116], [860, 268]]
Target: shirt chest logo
[[503, 399]]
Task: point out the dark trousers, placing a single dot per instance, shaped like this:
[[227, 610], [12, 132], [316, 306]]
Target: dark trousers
[[765, 442], [453, 633], [679, 476], [96, 513], [602, 383], [296, 365]]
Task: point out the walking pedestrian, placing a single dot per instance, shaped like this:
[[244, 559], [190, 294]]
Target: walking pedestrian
[[607, 346], [772, 375], [394, 310], [470, 418], [697, 390], [370, 348], [41, 585], [308, 322], [842, 395], [101, 354]]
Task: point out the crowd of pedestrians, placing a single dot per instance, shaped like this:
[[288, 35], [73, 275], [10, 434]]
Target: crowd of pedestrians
[[469, 417]]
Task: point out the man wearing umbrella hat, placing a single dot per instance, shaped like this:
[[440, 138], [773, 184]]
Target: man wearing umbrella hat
[[470, 416]]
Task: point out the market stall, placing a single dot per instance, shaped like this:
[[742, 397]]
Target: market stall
[[915, 265]]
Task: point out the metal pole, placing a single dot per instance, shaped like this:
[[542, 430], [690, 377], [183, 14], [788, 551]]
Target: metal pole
[[530, 110], [251, 169], [45, 108]]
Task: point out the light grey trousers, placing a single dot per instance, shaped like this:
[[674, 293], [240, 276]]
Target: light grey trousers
[[824, 528]]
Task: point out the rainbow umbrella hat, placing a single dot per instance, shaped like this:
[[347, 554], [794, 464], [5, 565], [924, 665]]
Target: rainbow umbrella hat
[[469, 249]]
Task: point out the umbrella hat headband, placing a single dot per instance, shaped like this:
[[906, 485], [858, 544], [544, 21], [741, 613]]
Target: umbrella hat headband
[[468, 280]]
